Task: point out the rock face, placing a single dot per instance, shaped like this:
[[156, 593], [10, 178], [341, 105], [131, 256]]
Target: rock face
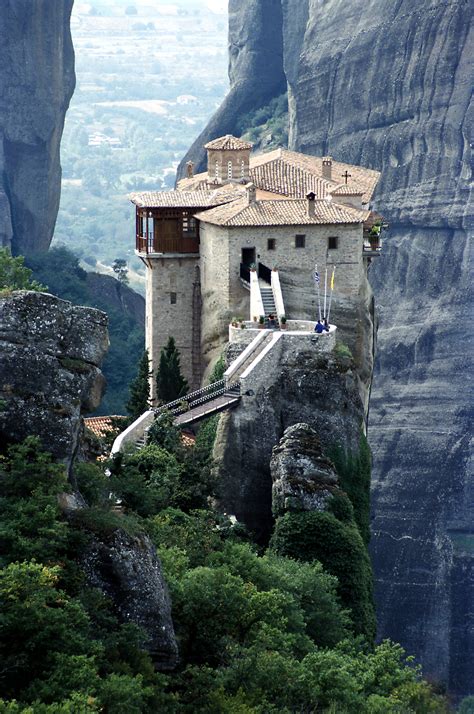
[[127, 569], [255, 70], [387, 85], [303, 478], [36, 84], [321, 390], [50, 353]]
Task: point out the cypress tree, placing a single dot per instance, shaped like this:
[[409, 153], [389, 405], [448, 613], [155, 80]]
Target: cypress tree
[[140, 389], [170, 383]]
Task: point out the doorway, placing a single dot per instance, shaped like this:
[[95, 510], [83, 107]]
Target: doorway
[[248, 257]]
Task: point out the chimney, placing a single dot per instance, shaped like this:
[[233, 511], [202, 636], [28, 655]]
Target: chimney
[[327, 167], [251, 193], [190, 169], [311, 204]]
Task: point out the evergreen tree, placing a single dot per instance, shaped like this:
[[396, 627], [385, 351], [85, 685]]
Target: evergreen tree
[[14, 275], [140, 389], [170, 383]]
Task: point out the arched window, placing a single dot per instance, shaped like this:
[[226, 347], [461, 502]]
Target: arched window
[[229, 169]]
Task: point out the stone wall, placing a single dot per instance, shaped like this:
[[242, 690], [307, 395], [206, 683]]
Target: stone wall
[[225, 297], [169, 279], [222, 158]]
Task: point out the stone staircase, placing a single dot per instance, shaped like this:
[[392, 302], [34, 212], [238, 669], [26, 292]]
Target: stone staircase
[[268, 302]]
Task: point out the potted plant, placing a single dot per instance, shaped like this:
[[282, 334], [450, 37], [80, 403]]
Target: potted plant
[[283, 322], [234, 322], [261, 322], [374, 237], [243, 325]]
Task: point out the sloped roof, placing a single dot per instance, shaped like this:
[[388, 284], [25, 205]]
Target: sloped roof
[[228, 143], [100, 426], [278, 176], [280, 213], [183, 199], [281, 171], [346, 189]]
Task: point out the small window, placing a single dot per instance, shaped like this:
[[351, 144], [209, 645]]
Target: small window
[[300, 241], [173, 298], [229, 169], [333, 242], [271, 242]]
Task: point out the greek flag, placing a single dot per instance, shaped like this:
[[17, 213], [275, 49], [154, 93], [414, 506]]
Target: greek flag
[[316, 277]]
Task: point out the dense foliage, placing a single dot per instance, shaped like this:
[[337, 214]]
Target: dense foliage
[[258, 633], [60, 270], [267, 127], [14, 275]]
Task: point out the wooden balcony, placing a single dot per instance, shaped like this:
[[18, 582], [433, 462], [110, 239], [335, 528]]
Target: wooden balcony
[[167, 244]]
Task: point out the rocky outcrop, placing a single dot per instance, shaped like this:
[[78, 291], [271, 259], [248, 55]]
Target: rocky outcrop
[[387, 85], [303, 478], [321, 390], [50, 356], [36, 84], [127, 570], [255, 71]]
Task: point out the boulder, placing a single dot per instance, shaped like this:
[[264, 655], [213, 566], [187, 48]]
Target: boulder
[[50, 356], [126, 568]]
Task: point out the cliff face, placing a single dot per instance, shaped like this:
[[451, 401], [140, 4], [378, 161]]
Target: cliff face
[[307, 387], [387, 85], [255, 70], [36, 84], [49, 369]]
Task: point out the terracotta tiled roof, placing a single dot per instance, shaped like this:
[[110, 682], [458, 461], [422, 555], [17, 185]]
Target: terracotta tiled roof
[[282, 170], [347, 190], [182, 199], [228, 143], [100, 426], [281, 213], [278, 176]]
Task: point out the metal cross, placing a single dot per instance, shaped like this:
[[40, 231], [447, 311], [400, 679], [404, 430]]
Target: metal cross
[[346, 175]]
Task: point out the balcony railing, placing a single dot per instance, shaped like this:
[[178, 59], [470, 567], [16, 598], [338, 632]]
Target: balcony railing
[[161, 244]]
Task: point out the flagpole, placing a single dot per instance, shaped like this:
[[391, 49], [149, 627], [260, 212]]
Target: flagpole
[[316, 274], [332, 288], [325, 290]]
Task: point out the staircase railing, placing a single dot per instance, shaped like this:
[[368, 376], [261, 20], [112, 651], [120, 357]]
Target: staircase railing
[[245, 273], [265, 273], [194, 399]]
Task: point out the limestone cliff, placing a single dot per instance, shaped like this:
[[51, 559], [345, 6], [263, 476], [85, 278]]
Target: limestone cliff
[[50, 353], [387, 85], [36, 84]]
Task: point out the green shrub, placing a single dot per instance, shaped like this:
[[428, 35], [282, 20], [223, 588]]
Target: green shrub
[[339, 547], [354, 472]]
